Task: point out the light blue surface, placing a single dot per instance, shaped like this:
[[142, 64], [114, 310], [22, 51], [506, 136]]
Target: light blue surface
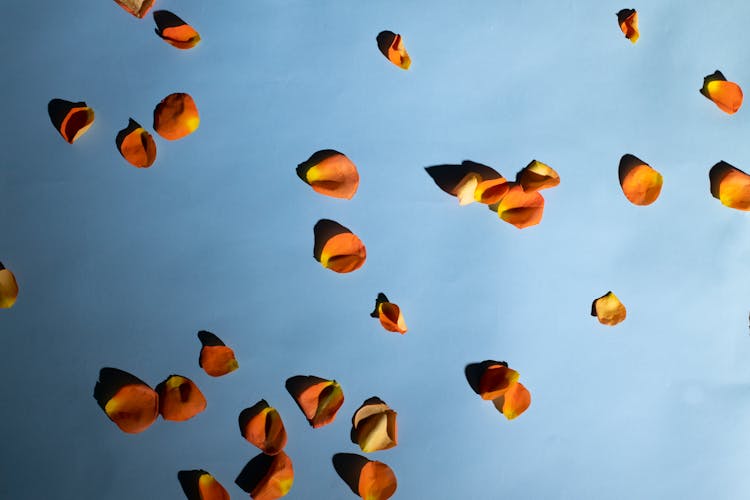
[[121, 267]]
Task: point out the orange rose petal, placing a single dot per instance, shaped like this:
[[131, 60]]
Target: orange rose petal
[[71, 119], [318, 398], [179, 398], [377, 481], [127, 400], [640, 183], [267, 477], [392, 47], [726, 95], [176, 116], [261, 425], [628, 21], [389, 314], [608, 309], [730, 185], [496, 380], [374, 426], [138, 8], [136, 145], [200, 485], [175, 31], [514, 401], [215, 358], [537, 176], [337, 248], [8, 288], [330, 173], [466, 181], [521, 208], [491, 191]]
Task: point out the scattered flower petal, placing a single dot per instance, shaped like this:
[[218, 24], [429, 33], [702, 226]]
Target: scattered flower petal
[[176, 116], [71, 119], [392, 47], [628, 21], [216, 358], [175, 31], [330, 173], [374, 426], [640, 183], [537, 176], [318, 398], [136, 145], [127, 400], [8, 288], [337, 248], [730, 185], [179, 398], [138, 8], [261, 425], [521, 208], [726, 95], [608, 309], [389, 314], [267, 477], [514, 401], [200, 485], [496, 379]]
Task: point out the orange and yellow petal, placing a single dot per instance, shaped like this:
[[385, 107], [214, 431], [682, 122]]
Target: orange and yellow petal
[[726, 95], [267, 477], [8, 288], [374, 426], [337, 248], [71, 119], [200, 485], [136, 145], [128, 401], [628, 20], [491, 191], [521, 208], [608, 309], [179, 398], [377, 481], [514, 401], [139, 8], [261, 425], [176, 116], [537, 176], [640, 183], [392, 47], [330, 173], [496, 379], [175, 31], [730, 185], [318, 398], [215, 358]]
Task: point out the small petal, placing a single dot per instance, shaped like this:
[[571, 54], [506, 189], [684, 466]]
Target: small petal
[[138, 8], [608, 309], [389, 314], [215, 358], [374, 426], [337, 248], [127, 400], [496, 380], [267, 477], [640, 183], [730, 185], [318, 398], [175, 31], [628, 21], [330, 173], [392, 47], [377, 481], [136, 145], [514, 401], [179, 398], [176, 116], [726, 95]]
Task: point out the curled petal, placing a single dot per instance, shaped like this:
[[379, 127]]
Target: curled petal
[[330, 173], [262, 426], [175, 31], [377, 481], [71, 119], [200, 485], [514, 401], [318, 398], [127, 400], [466, 181], [389, 314], [337, 248], [521, 208], [628, 21], [640, 183], [491, 191], [726, 95], [496, 380], [215, 358], [179, 398], [267, 477], [608, 309], [136, 145], [176, 116], [730, 185], [537, 176], [392, 47], [374, 426]]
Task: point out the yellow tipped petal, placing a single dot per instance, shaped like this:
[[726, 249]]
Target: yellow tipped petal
[[608, 309]]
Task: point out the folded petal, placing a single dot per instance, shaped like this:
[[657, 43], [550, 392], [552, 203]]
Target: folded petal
[[374, 426], [608, 309], [267, 477], [337, 248], [127, 400], [215, 358], [71, 119], [330, 173], [389, 314], [726, 95], [262, 426], [469, 182], [138, 8], [537, 176], [640, 183], [179, 398], [136, 145], [175, 31], [200, 485], [496, 379], [318, 398], [628, 21], [176, 116], [514, 401], [8, 288], [521, 208], [730, 185], [491, 191], [392, 47]]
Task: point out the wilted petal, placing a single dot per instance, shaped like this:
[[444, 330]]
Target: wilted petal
[[392, 47], [200, 485], [318, 398], [496, 379], [8, 288], [608, 309], [175, 31], [389, 314], [136, 145], [267, 477], [262, 426], [337, 248], [521, 208], [537, 176], [179, 398], [726, 95], [628, 21], [330, 173], [71, 119], [730, 185], [514, 401], [176, 116], [127, 400], [374, 426], [215, 358], [640, 183], [138, 8]]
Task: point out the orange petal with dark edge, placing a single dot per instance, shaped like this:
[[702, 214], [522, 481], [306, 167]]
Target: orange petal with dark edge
[[374, 426], [136, 145], [730, 185], [537, 176], [491, 191], [262, 426], [628, 21], [138, 8], [377, 481], [514, 401], [726, 95], [496, 379], [127, 400], [200, 485], [71, 119], [392, 47], [176, 116], [175, 31], [267, 477], [337, 248], [521, 208], [640, 183], [462, 181], [389, 314], [8, 288], [318, 398], [608, 309], [179, 398], [330, 173], [216, 359]]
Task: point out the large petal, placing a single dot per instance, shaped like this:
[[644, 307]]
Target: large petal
[[640, 183], [318, 398], [262, 426], [726, 95], [730, 185], [330, 173], [374, 426], [521, 208], [337, 248], [176, 116], [179, 398], [267, 477], [8, 288], [127, 400]]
